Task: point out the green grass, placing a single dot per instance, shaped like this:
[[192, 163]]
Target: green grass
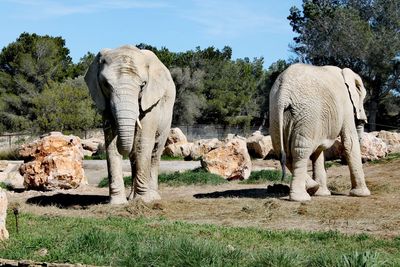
[[263, 176], [195, 177], [102, 156], [121, 241], [332, 163], [169, 158], [388, 158], [5, 186]]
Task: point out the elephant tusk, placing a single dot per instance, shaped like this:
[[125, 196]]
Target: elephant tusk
[[138, 123]]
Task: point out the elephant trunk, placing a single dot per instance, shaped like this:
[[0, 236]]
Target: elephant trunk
[[126, 114]]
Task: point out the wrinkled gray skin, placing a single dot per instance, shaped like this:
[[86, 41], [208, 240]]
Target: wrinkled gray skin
[[135, 93], [309, 107]]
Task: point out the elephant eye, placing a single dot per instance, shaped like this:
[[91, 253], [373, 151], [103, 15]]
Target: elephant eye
[[143, 84]]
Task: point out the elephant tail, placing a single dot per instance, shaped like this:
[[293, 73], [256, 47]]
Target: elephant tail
[[282, 157]]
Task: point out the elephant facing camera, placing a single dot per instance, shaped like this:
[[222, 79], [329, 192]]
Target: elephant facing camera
[[135, 94]]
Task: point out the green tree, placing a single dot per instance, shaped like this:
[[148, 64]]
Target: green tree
[[27, 66], [65, 107], [230, 87], [189, 98], [81, 67], [211, 84], [363, 35]]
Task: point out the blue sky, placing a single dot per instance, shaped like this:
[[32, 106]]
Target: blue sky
[[253, 28]]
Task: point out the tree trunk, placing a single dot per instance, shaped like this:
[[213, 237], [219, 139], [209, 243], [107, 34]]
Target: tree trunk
[[373, 112]]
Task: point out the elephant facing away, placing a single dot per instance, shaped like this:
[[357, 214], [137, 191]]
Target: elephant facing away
[[309, 107], [135, 94]]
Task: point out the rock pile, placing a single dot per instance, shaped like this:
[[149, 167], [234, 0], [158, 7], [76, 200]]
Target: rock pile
[[391, 139], [53, 162], [372, 147]]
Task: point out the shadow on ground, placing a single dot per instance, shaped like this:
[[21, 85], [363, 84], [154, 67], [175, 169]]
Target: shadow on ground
[[67, 201], [272, 191]]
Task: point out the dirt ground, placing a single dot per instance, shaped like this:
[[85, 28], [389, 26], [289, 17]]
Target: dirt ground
[[235, 204]]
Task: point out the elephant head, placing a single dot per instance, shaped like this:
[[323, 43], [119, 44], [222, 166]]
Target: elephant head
[[357, 95], [126, 82]]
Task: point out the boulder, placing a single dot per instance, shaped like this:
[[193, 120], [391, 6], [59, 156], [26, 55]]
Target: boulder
[[372, 147], [55, 162], [3, 214], [174, 150], [391, 139], [10, 175], [175, 136], [259, 146], [202, 147], [176, 144], [91, 144], [231, 160]]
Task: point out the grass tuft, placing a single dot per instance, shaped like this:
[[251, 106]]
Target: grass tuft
[[366, 258], [169, 158], [195, 177], [263, 176], [388, 158]]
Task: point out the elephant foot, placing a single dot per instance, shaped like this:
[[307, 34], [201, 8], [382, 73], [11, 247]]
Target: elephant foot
[[360, 192], [322, 192], [299, 196], [118, 200], [311, 186], [148, 196]]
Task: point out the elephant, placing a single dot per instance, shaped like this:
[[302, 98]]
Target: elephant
[[310, 107], [135, 94]]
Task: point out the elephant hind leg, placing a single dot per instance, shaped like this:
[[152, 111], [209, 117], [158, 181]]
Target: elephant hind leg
[[301, 181], [319, 174], [353, 157]]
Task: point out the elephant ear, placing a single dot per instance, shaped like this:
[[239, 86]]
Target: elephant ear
[[355, 86], [91, 79], [159, 79]]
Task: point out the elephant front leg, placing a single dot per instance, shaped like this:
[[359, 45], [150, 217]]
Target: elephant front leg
[[319, 174], [114, 166], [353, 156], [156, 156], [144, 187]]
